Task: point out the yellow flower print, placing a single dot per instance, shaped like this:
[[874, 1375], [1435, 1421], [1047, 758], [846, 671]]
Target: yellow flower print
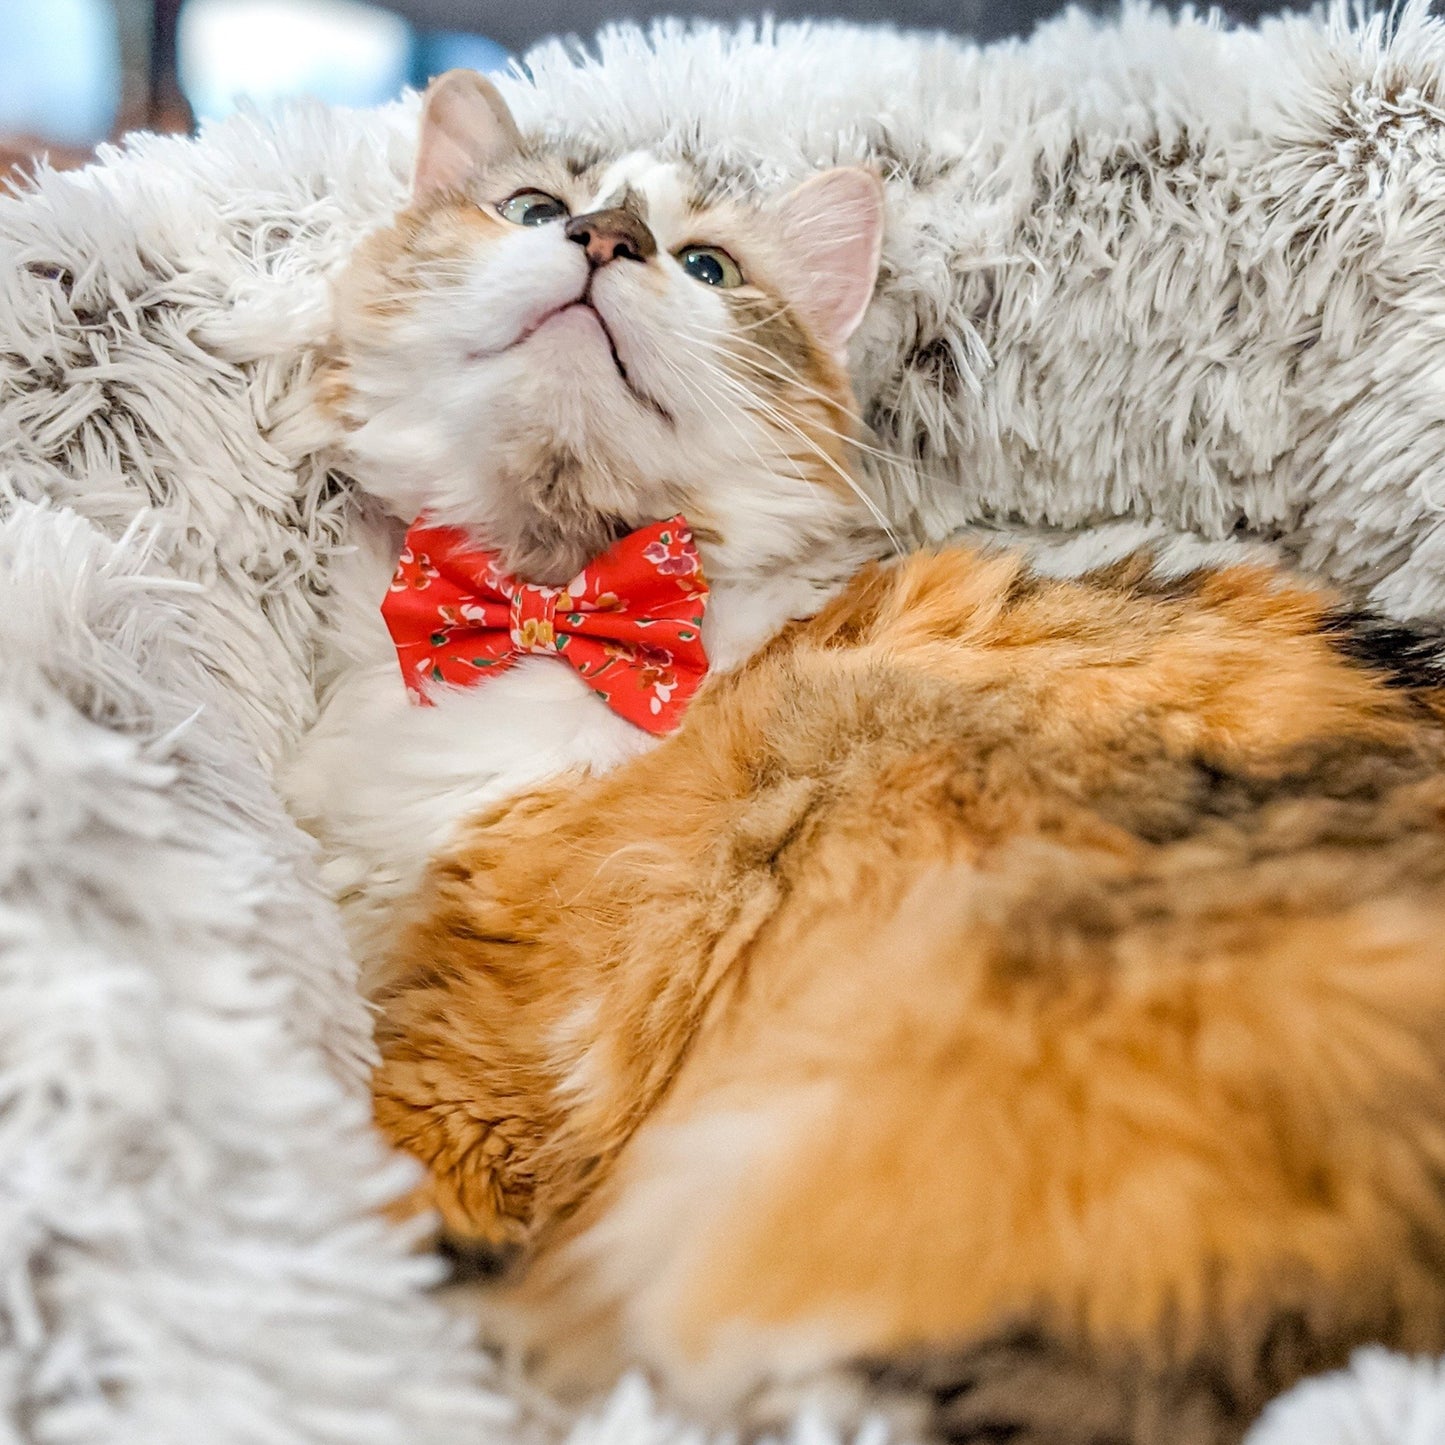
[[537, 632]]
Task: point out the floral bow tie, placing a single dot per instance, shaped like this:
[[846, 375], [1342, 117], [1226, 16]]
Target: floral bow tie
[[630, 622]]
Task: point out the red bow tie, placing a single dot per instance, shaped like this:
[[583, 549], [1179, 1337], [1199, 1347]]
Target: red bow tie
[[630, 622]]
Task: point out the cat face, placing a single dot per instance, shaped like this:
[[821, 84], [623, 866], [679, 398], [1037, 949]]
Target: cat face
[[550, 355]]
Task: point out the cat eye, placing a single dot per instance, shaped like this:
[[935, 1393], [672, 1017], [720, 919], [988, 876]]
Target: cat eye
[[532, 208], [710, 265]]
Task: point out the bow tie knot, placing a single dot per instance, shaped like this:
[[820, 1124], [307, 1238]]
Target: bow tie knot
[[629, 623], [533, 622]]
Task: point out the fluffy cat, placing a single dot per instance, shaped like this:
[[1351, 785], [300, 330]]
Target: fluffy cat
[[548, 353], [1023, 999], [1016, 1003]]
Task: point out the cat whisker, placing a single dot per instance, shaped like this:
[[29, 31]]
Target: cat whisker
[[703, 395], [741, 399], [773, 414], [750, 399], [790, 375]]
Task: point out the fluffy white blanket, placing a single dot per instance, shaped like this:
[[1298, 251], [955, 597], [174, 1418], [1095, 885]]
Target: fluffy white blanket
[[1141, 278]]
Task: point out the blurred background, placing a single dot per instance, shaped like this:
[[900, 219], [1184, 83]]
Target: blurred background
[[74, 72]]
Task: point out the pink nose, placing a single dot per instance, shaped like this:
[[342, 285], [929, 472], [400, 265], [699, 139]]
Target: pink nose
[[614, 235]]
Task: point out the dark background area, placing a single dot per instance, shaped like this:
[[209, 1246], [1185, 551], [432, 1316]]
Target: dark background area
[[518, 23]]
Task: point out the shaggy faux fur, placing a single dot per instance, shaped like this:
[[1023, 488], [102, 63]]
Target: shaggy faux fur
[[188, 1182], [1144, 276]]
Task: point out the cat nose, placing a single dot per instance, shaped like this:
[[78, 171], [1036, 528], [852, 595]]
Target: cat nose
[[614, 235]]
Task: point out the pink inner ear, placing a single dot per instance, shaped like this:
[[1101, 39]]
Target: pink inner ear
[[465, 125], [833, 227]]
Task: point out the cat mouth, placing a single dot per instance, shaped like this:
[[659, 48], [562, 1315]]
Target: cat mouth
[[584, 303]]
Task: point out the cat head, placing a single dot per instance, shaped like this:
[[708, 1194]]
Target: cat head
[[551, 354]]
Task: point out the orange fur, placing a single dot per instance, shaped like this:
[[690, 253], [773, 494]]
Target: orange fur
[[1036, 985]]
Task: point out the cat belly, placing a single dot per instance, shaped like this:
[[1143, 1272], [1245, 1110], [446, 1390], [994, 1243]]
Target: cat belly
[[382, 783]]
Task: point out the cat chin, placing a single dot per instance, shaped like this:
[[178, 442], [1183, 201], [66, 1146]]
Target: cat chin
[[567, 381]]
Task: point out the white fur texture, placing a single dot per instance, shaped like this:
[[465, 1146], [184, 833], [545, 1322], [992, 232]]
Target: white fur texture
[[188, 1242], [1083, 230]]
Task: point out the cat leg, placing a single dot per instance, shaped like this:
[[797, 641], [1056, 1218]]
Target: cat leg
[[468, 1103]]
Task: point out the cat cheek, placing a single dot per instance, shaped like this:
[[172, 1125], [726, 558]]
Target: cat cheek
[[516, 279]]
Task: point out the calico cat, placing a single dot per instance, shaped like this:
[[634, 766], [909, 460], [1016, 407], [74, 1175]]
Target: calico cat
[[1021, 996], [1014, 1003]]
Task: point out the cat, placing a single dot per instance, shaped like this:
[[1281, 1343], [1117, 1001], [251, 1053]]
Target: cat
[[547, 352], [1012, 1003], [1016, 1003]]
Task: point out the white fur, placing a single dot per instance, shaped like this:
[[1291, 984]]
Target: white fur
[[383, 782], [1381, 1399], [189, 1241]]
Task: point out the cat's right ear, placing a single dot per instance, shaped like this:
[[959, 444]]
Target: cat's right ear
[[465, 124]]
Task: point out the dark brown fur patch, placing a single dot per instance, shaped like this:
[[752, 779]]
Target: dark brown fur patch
[[1408, 656]]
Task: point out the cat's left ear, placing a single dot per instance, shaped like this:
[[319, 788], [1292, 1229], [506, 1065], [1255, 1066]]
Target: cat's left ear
[[833, 230], [465, 124]]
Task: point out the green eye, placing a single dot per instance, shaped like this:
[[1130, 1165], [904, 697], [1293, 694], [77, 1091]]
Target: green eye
[[710, 265], [532, 208]]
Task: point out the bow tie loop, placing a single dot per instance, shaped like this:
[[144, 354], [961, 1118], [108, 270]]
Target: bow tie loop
[[629, 624]]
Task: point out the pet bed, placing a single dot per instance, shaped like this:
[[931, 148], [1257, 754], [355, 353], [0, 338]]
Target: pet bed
[[1151, 279]]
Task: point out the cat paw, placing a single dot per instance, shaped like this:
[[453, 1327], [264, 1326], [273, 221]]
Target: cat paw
[[470, 1257], [474, 1181], [476, 1261]]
